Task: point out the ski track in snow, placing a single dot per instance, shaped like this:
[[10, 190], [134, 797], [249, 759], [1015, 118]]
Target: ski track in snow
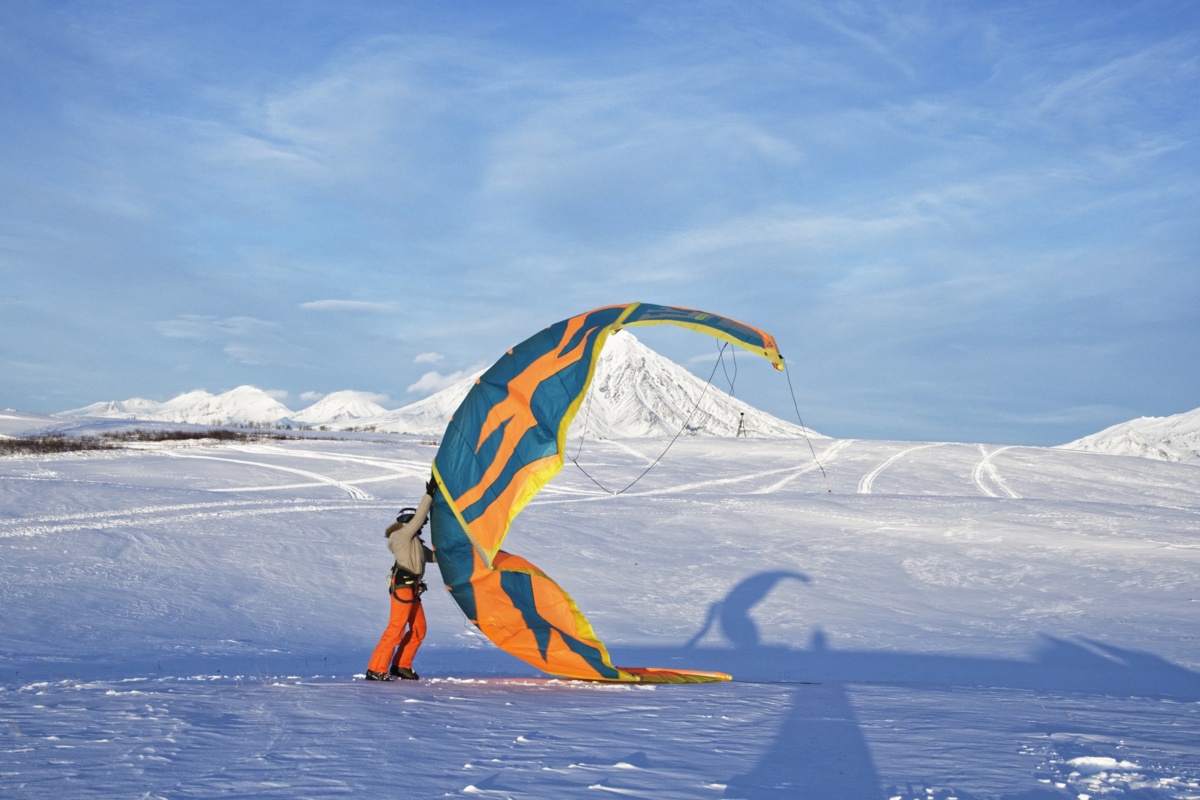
[[984, 468], [161, 515], [173, 513], [153, 515], [828, 456], [130, 512], [617, 444], [405, 467], [398, 468], [353, 491], [868, 480]]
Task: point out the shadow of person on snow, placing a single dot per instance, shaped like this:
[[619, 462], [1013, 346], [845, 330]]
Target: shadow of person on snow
[[819, 750]]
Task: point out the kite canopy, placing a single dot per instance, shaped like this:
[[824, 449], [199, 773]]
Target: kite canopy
[[503, 444]]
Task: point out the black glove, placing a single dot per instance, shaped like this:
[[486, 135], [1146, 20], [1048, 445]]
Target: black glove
[[431, 487]]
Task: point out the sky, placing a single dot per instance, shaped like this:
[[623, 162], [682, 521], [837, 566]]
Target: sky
[[967, 222]]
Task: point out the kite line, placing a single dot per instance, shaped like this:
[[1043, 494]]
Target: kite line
[[692, 413]]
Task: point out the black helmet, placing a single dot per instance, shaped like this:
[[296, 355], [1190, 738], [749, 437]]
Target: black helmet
[[406, 515]]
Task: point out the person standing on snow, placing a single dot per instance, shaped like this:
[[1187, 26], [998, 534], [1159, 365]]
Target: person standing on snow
[[393, 656]]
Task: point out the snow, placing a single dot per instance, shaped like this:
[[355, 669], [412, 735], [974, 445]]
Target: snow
[[911, 620], [14, 424], [1174, 438]]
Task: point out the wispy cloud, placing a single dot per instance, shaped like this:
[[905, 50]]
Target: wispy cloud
[[428, 358], [349, 306], [246, 340]]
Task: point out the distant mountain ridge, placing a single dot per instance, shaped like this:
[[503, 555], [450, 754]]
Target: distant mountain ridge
[[340, 407], [1173, 438], [245, 405], [635, 393]]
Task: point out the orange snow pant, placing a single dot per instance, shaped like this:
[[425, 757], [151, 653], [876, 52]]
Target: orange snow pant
[[404, 633]]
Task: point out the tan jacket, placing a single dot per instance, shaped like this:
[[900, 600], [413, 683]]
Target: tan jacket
[[404, 540]]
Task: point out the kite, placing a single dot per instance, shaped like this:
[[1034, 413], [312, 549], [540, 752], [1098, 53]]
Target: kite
[[503, 444]]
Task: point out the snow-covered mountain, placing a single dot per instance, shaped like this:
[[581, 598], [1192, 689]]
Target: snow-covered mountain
[[1173, 438], [427, 417], [635, 393], [245, 405], [340, 407]]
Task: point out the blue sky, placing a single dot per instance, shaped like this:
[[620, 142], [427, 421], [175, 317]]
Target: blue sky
[[967, 221]]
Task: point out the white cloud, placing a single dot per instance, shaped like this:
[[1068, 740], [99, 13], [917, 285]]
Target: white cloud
[[428, 358], [353, 306], [432, 382], [311, 397]]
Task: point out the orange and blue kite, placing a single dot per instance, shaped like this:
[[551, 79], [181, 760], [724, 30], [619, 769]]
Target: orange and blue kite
[[503, 444]]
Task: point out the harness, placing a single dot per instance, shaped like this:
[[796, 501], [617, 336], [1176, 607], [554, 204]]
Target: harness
[[402, 578]]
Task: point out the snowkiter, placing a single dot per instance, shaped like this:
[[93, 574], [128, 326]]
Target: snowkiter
[[393, 656]]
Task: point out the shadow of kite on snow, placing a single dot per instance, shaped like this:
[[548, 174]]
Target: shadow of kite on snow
[[733, 612]]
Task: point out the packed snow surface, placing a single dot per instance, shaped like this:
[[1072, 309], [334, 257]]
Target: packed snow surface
[[905, 620]]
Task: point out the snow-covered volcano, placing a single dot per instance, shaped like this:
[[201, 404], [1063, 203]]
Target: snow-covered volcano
[[635, 393], [1174, 438]]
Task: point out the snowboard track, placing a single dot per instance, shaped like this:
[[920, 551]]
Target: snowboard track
[[985, 471]]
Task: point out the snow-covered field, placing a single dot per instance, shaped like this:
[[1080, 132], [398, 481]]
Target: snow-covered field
[[929, 621]]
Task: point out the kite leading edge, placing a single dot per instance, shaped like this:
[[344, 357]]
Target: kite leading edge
[[503, 444]]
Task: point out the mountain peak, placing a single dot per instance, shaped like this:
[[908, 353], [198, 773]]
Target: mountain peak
[[635, 393], [346, 406]]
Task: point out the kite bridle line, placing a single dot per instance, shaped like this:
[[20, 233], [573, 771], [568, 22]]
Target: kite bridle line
[[804, 428], [733, 380], [720, 360]]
